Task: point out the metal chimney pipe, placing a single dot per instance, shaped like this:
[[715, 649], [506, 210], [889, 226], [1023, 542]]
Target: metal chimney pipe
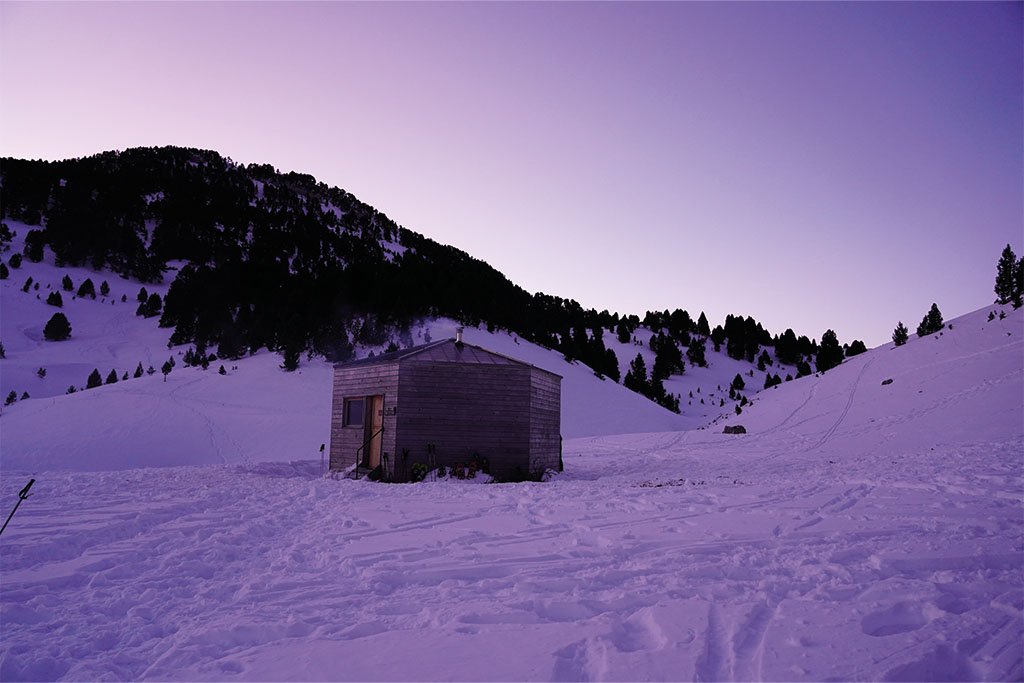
[[458, 334]]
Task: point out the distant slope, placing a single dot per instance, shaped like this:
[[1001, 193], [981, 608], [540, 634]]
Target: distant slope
[[962, 383]]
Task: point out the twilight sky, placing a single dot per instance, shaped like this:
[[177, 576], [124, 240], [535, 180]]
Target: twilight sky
[[814, 165]]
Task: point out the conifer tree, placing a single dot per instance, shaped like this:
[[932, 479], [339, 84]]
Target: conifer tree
[[4, 271], [1006, 276], [66, 284], [11, 398], [57, 328], [695, 353], [291, 359], [900, 334], [15, 261], [71, 389], [138, 370], [622, 332], [112, 377], [87, 288], [104, 288], [856, 348], [702, 325], [55, 299], [931, 323], [142, 296], [1018, 294], [41, 372], [636, 376], [830, 354], [94, 380], [28, 283], [737, 382], [166, 369], [3, 351]]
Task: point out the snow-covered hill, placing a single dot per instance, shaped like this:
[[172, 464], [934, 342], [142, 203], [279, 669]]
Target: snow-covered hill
[[858, 531], [255, 412]]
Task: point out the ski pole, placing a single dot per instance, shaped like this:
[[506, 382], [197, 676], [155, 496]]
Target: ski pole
[[22, 495]]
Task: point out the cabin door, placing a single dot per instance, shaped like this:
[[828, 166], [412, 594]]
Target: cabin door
[[374, 422]]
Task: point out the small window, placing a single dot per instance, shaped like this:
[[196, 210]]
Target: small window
[[353, 412]]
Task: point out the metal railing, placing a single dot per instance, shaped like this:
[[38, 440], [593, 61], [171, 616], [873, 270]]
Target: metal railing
[[365, 444]]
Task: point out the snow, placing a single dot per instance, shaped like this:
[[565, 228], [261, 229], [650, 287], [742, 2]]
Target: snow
[[185, 531]]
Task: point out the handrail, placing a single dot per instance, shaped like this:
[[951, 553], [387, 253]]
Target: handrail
[[365, 444]]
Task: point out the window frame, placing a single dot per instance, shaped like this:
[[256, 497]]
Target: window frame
[[345, 415]]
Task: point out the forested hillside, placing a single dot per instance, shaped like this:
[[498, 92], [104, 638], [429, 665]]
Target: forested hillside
[[260, 258]]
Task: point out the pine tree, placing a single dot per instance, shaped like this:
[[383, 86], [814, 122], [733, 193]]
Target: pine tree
[[87, 288], [112, 377], [931, 323], [636, 377], [3, 351], [695, 353], [622, 332], [66, 284], [4, 271], [94, 380], [291, 359], [142, 296], [41, 372], [24, 394], [58, 328], [830, 354], [1006, 286], [737, 382], [138, 370], [166, 369], [222, 371], [34, 246], [55, 299], [71, 389], [11, 398], [856, 348], [702, 325], [900, 334], [15, 261], [104, 288], [28, 283], [1018, 282]]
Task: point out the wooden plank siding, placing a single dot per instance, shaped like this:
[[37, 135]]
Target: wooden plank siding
[[356, 382], [464, 409], [545, 420], [464, 400]]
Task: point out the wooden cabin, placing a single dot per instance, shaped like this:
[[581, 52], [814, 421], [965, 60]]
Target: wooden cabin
[[445, 403]]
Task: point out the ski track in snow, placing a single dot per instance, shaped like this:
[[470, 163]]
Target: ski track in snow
[[891, 548]]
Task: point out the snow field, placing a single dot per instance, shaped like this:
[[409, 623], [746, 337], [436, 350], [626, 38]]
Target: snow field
[[859, 531]]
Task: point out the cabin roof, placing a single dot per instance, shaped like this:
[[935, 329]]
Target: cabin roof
[[444, 351]]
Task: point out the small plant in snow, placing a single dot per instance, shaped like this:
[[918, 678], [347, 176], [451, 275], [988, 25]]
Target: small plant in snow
[[41, 372]]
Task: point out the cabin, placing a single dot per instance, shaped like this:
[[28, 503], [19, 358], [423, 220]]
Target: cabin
[[444, 403]]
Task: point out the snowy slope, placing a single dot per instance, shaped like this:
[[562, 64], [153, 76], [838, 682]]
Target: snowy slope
[[859, 531], [256, 412]]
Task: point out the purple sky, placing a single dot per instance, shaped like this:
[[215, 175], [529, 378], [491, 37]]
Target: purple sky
[[815, 165]]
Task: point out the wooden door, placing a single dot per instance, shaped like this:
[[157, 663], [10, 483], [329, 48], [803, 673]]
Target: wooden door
[[374, 423]]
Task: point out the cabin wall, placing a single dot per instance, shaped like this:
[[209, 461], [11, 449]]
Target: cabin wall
[[464, 409], [355, 382], [545, 440]]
